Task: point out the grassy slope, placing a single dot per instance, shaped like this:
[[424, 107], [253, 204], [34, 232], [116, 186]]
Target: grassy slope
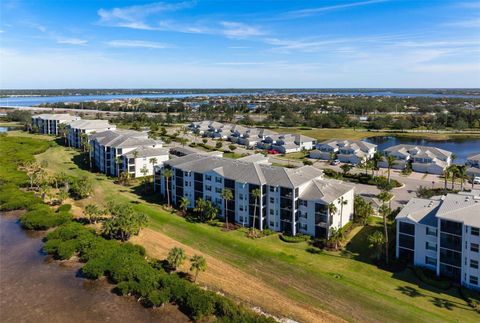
[[352, 289]]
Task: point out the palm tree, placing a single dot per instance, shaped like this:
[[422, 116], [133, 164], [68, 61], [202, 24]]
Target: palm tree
[[167, 173], [462, 175], [377, 158], [336, 237], [118, 161], [199, 263], [376, 242], [453, 170], [342, 203], [332, 209], [144, 171], [176, 257], [62, 129], [256, 193], [446, 172], [346, 168], [227, 195], [371, 165], [331, 156], [391, 161], [384, 211], [184, 203], [84, 141]]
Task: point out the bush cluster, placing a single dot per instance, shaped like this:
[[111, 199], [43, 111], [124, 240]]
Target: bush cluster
[[125, 265], [42, 217], [13, 198], [294, 239], [379, 181]]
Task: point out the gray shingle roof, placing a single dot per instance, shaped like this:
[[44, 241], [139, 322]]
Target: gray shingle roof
[[461, 208], [420, 151], [55, 116], [91, 124], [421, 211], [147, 152], [326, 190], [354, 144], [124, 139], [474, 157]]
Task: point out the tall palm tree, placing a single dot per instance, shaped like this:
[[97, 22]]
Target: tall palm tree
[[391, 161], [377, 158], [376, 242], [118, 161], [336, 237], [462, 175], [144, 171], [332, 209], [227, 195], [198, 263], [153, 161], [84, 141], [184, 203], [62, 129], [167, 173], [384, 211], [342, 203], [446, 172], [256, 193], [453, 170]]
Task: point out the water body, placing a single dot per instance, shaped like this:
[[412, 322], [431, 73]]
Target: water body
[[34, 288], [4, 129], [462, 148], [37, 100]]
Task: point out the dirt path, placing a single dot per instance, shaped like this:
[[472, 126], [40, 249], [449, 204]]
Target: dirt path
[[231, 281]]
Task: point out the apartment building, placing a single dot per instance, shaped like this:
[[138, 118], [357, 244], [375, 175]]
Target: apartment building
[[291, 200], [76, 129], [347, 151], [423, 159], [287, 143], [442, 234], [48, 123], [117, 151]]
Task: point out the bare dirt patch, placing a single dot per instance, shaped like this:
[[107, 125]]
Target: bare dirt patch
[[234, 282]]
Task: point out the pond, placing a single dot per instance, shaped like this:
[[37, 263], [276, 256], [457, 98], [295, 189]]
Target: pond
[[462, 148], [35, 288]]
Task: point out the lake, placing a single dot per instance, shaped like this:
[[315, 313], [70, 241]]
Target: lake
[[462, 148], [37, 100], [34, 288]]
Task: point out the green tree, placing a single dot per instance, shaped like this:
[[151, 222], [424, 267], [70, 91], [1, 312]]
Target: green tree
[[462, 175], [256, 193], [227, 196], [391, 161], [124, 221], [183, 141], [332, 209], [362, 210], [232, 147], [198, 264], [176, 257], [62, 195], [346, 168], [144, 171], [167, 174], [218, 145], [92, 212], [376, 242], [118, 161], [62, 130], [184, 203], [342, 202], [376, 159], [453, 170], [336, 237], [385, 211]]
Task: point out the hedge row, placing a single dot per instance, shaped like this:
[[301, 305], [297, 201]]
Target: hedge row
[[294, 239], [125, 265]]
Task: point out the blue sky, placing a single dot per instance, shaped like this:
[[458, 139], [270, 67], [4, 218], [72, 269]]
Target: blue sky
[[214, 43]]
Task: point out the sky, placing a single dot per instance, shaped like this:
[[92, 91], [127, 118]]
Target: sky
[[239, 44]]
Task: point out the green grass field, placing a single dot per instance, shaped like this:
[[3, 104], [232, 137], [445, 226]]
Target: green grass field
[[354, 290]]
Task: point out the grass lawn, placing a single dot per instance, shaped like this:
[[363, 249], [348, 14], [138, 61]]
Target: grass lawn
[[11, 124], [232, 155], [354, 290]]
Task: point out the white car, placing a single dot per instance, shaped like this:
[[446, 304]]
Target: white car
[[476, 180]]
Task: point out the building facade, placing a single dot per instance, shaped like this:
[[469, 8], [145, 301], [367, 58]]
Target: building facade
[[290, 200], [79, 128], [117, 151], [48, 123], [442, 234], [346, 151]]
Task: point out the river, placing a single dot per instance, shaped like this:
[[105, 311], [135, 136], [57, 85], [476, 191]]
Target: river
[[462, 148], [34, 288], [25, 101]]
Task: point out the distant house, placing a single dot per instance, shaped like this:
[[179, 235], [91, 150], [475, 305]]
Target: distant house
[[474, 162], [424, 159], [288, 143], [48, 123], [85, 127], [347, 151]]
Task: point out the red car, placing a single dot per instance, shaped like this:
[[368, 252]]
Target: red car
[[273, 152]]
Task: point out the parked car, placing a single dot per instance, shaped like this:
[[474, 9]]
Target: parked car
[[335, 162], [273, 152], [476, 180]]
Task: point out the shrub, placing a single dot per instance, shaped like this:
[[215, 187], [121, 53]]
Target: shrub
[[294, 239], [307, 162], [429, 278], [41, 217], [64, 208], [199, 304], [314, 250], [12, 198], [158, 297]]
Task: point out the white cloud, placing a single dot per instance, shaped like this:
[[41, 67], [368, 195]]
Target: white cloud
[[468, 23], [72, 41], [239, 30], [312, 11], [137, 44], [135, 16]]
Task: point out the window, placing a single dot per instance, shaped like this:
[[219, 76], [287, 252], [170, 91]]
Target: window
[[272, 224], [272, 212], [273, 189], [474, 231], [304, 203], [474, 264], [218, 180], [474, 247], [218, 190], [430, 246], [240, 208], [407, 228], [431, 232], [474, 280], [208, 177], [218, 201], [272, 200], [208, 198], [430, 261], [208, 188]]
